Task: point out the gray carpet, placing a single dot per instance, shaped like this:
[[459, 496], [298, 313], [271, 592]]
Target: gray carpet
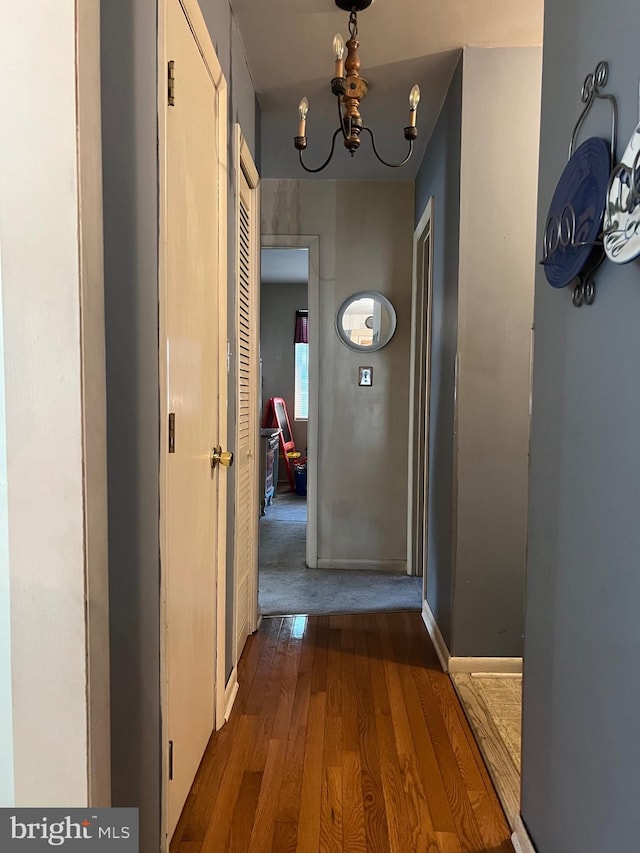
[[288, 587]]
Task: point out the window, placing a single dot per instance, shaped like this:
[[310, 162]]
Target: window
[[301, 399]]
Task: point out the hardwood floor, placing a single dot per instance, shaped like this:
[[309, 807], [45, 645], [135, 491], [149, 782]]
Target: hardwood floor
[[345, 736], [493, 705]]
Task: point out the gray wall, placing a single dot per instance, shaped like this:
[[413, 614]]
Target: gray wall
[[131, 317], [484, 145], [129, 87], [278, 305], [581, 751], [439, 177], [500, 129], [365, 243]]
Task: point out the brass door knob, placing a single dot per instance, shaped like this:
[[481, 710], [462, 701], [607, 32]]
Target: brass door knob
[[224, 457]]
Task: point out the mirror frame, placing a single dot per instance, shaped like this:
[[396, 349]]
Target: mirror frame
[[362, 294]]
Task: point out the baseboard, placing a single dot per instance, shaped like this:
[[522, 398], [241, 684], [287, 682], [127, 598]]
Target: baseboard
[[499, 665], [520, 838], [436, 637], [396, 566], [230, 693], [465, 664]]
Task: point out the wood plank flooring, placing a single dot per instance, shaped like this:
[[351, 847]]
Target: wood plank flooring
[[345, 736], [493, 705]]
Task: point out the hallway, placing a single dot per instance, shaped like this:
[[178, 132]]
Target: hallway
[[345, 735], [288, 586]]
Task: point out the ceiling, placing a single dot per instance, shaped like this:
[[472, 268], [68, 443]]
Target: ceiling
[[284, 266], [402, 42]]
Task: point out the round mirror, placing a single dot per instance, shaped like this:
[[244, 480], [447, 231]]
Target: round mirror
[[366, 321]]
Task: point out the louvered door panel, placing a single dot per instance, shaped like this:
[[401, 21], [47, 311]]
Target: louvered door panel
[[246, 413]]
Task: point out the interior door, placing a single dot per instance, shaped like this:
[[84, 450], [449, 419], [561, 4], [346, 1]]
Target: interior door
[[247, 361], [196, 399]]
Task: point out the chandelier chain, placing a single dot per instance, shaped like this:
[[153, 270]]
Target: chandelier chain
[[353, 24]]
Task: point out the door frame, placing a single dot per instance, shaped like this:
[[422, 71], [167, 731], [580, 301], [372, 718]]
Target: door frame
[[421, 298], [201, 35], [312, 243]]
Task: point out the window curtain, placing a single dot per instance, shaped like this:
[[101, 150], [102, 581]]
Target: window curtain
[[301, 335]]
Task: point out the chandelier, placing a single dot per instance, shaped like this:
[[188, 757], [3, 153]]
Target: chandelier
[[350, 89]]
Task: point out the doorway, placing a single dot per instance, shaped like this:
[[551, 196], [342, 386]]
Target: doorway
[[286, 389], [312, 244], [327, 589], [420, 369]]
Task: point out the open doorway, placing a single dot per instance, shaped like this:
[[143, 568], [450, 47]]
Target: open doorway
[[292, 577], [285, 361]]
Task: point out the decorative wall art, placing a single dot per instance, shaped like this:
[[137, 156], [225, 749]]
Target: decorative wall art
[[622, 215], [573, 246], [366, 321]]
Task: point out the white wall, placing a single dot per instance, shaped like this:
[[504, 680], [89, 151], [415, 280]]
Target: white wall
[[51, 275], [365, 230], [7, 796]]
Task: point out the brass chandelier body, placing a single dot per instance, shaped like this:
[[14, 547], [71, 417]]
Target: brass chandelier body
[[350, 90]]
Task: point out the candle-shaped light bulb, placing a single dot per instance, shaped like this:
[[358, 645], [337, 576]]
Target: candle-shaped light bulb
[[338, 52], [414, 100], [303, 109]]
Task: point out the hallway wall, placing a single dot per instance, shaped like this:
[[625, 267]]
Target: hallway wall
[[365, 244], [498, 186], [439, 177], [129, 99], [7, 788], [484, 146], [129, 79], [581, 751], [55, 664]]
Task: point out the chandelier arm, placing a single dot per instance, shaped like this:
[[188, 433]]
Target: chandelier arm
[[327, 161], [341, 119], [384, 162]]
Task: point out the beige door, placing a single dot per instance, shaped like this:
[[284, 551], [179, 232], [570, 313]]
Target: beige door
[[247, 360], [196, 400]]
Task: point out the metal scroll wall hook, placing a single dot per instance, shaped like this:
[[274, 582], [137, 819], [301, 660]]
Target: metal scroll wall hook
[[584, 290], [591, 91]]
